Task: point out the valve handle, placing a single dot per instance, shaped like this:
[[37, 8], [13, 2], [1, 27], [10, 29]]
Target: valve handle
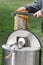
[[22, 13]]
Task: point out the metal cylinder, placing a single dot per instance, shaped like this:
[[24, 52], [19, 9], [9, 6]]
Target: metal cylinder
[[27, 55]]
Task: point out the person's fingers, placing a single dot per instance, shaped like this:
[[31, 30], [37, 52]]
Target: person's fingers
[[35, 15], [38, 14], [21, 9]]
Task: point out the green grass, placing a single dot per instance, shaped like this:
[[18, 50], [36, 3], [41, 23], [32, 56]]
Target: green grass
[[7, 22]]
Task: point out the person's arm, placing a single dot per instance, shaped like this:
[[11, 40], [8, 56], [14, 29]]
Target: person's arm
[[34, 7]]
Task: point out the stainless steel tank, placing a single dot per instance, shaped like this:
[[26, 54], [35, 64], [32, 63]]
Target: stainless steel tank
[[21, 48]]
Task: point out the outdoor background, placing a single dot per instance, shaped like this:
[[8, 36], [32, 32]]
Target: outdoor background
[[7, 22]]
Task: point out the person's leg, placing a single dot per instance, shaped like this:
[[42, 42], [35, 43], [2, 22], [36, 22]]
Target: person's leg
[[42, 25]]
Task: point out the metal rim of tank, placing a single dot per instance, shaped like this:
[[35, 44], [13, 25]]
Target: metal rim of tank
[[30, 47]]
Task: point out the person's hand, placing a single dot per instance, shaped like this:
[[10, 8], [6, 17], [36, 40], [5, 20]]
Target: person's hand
[[21, 9], [38, 14]]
